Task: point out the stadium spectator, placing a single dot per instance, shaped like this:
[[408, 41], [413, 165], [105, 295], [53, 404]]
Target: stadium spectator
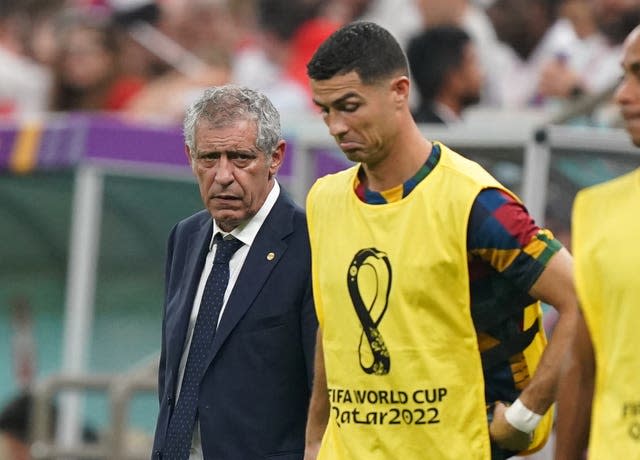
[[17, 423], [447, 72], [475, 21], [534, 35], [24, 84], [263, 65], [590, 65], [87, 71], [166, 97]]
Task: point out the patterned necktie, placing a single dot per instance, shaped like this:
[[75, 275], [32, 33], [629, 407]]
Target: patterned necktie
[[181, 426]]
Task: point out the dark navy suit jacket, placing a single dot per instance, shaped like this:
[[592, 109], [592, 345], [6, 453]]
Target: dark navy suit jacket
[[254, 396]]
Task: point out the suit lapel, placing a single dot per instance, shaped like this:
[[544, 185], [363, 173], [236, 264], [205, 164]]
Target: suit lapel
[[265, 253]]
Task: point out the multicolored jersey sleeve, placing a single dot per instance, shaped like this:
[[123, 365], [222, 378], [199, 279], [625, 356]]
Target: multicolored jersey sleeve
[[502, 235]]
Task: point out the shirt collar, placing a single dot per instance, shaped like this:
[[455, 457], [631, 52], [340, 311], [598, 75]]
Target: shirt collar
[[247, 231]]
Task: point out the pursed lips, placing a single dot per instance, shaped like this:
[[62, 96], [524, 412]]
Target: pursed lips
[[223, 197], [347, 144]]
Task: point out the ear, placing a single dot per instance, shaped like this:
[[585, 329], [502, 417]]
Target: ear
[[187, 152], [400, 89], [277, 158]]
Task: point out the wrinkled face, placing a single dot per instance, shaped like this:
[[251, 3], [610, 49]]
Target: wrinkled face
[[628, 92], [233, 175], [360, 117]]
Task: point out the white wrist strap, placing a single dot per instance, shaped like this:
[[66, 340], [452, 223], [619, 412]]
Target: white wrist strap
[[522, 418]]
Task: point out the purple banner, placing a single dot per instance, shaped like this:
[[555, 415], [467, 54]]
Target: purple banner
[[66, 140]]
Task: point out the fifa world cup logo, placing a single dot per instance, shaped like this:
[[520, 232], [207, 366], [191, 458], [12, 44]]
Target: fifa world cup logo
[[369, 282]]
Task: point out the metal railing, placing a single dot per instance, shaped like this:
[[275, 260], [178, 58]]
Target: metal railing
[[113, 444]]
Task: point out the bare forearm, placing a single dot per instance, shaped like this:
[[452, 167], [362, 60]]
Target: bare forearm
[[542, 391], [574, 398], [555, 287], [574, 415], [318, 415]]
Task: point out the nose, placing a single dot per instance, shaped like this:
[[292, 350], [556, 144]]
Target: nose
[[336, 124], [224, 171], [622, 91], [628, 90]]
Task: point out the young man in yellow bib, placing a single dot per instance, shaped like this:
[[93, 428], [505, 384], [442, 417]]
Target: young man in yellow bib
[[600, 397], [426, 275]]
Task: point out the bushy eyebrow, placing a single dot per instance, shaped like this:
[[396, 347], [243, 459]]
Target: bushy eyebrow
[[249, 152], [338, 101]]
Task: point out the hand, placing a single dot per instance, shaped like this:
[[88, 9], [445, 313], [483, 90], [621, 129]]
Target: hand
[[505, 435]]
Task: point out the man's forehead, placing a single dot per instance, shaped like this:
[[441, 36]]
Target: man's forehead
[[338, 87], [237, 132], [223, 124]]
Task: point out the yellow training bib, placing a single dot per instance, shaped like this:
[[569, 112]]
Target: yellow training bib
[[606, 227], [391, 287]]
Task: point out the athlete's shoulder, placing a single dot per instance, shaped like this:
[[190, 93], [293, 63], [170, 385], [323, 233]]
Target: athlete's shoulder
[[457, 165], [613, 187]]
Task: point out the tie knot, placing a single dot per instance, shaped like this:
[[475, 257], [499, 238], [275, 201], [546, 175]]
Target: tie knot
[[225, 248]]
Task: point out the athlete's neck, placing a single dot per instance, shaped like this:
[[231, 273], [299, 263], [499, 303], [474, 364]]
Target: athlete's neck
[[401, 164]]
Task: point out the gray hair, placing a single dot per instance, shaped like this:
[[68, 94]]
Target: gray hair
[[224, 105]]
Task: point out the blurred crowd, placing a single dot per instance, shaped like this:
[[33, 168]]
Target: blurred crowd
[[149, 59]]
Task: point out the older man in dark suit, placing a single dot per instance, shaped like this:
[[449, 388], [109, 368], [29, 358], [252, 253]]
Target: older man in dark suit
[[239, 324]]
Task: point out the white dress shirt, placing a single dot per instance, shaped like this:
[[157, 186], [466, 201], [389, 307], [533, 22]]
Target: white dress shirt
[[246, 233]]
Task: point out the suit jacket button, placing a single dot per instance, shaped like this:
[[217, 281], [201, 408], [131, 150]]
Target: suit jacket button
[[158, 455], [169, 401]]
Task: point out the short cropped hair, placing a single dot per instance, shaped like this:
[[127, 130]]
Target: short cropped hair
[[364, 47], [224, 105], [433, 54]]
